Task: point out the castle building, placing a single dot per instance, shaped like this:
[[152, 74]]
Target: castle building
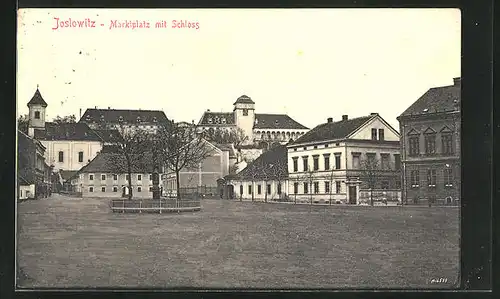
[[430, 146], [260, 129]]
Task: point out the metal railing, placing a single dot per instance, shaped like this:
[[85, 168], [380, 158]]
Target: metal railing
[[154, 205]]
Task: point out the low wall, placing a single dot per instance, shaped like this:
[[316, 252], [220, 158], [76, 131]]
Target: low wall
[[380, 196], [154, 206]]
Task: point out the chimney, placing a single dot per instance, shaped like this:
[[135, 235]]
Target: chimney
[[109, 107], [345, 117], [31, 132], [208, 110], [329, 120], [80, 113], [95, 107], [457, 81]]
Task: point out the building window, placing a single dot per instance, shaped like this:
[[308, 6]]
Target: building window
[[431, 177], [295, 164], [61, 156], [398, 183], [91, 189], [337, 187], [91, 177], [268, 189], [139, 189], [374, 134], [385, 184], [295, 188], [327, 161], [326, 145], [103, 189], [385, 161], [327, 187], [448, 177], [249, 189], [279, 188], [414, 146], [316, 162], [306, 188], [414, 178], [259, 189], [139, 177], [37, 114], [381, 134], [150, 177], [80, 157], [316, 187], [430, 144], [304, 163], [115, 177], [245, 112], [355, 161], [241, 189], [115, 189], [397, 161], [337, 161], [447, 143], [103, 177], [150, 189], [127, 177]]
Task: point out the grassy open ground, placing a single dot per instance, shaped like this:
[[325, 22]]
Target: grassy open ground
[[80, 243]]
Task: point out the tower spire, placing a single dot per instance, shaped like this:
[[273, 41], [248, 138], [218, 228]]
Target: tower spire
[[37, 86]]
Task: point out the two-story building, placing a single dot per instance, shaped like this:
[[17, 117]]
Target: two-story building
[[430, 146], [342, 161]]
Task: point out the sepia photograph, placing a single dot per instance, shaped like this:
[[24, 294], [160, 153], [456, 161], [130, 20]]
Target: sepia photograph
[[238, 149]]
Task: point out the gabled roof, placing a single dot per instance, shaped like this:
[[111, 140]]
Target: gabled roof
[[276, 121], [37, 99], [126, 115], [217, 119], [435, 100], [334, 130], [244, 99], [270, 165], [111, 162], [67, 131], [67, 174], [22, 181]]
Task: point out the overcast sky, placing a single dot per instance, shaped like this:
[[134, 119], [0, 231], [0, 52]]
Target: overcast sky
[[310, 64]]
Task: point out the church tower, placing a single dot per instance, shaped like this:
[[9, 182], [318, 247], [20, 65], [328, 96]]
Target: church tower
[[244, 115], [36, 107]]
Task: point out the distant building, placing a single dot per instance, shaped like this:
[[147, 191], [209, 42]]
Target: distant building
[[330, 161], [101, 178], [207, 173], [69, 146], [263, 130], [430, 146], [266, 178], [113, 118]]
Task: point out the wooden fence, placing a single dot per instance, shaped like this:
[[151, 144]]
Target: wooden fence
[[154, 205]]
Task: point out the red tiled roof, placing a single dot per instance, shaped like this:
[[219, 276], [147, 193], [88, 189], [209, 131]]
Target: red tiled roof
[[125, 115], [111, 162], [67, 131], [217, 118], [270, 165], [276, 121]]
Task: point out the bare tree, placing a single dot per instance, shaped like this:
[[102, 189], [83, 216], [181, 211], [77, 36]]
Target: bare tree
[[331, 176], [22, 123], [253, 171], [234, 136], [128, 151], [68, 119], [181, 147], [280, 172], [370, 169], [308, 177]]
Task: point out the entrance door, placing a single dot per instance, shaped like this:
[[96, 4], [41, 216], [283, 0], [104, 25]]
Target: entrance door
[[352, 195]]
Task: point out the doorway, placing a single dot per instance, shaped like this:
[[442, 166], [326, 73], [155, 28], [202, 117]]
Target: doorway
[[352, 195]]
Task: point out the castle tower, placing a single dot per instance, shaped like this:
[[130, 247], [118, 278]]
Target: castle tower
[[244, 115], [36, 107]]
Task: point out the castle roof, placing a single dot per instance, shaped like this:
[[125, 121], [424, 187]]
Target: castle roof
[[37, 99], [217, 119], [437, 100], [94, 115], [244, 99]]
